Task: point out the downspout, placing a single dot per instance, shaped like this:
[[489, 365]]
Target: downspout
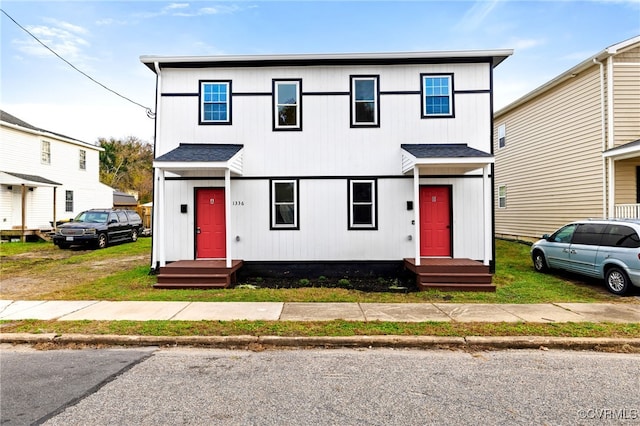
[[604, 139], [155, 265], [611, 137]]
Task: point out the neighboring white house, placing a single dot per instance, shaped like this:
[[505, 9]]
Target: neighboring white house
[[45, 177], [334, 159]]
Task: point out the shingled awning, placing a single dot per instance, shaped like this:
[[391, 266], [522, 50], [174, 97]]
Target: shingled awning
[[201, 156], [459, 156], [12, 178]]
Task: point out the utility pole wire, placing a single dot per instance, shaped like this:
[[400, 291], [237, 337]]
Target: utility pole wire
[[150, 112]]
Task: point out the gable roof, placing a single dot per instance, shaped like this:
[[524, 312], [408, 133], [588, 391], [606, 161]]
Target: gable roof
[[14, 122], [495, 57], [587, 63]]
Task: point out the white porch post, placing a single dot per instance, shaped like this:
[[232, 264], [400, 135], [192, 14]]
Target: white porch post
[[416, 212], [159, 220], [612, 188], [227, 214], [487, 201]]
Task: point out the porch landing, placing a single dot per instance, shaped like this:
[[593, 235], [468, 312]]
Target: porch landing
[[198, 274], [450, 274]]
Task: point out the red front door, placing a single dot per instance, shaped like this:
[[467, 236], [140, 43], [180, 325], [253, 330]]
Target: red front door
[[435, 221], [210, 224]]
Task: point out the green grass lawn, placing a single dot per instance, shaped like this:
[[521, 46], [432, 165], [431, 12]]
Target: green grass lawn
[[515, 279]]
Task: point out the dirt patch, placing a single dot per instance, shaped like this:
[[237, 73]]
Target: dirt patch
[[22, 280]]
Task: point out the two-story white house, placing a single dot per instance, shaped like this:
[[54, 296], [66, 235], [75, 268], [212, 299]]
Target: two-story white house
[[326, 164], [45, 177]]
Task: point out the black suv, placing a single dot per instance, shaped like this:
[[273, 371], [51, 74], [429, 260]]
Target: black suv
[[99, 227]]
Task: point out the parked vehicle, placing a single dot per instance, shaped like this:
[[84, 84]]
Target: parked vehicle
[[605, 249], [99, 227]]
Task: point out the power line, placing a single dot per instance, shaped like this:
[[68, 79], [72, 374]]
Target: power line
[[150, 113]]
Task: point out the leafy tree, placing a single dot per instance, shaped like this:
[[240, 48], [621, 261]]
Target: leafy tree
[[126, 165]]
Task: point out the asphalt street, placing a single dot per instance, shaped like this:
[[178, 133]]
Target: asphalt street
[[320, 387]]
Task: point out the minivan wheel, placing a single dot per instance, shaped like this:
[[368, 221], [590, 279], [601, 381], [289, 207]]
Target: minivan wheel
[[617, 281], [134, 235], [102, 241], [539, 262]]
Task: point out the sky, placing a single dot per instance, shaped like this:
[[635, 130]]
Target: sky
[[105, 39]]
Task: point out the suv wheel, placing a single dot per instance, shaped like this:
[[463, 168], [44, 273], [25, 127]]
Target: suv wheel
[[102, 241], [134, 235], [539, 262], [617, 281]]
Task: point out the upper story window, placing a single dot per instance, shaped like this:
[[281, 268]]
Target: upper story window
[[437, 95], [215, 102], [502, 135], [362, 204], [365, 95], [284, 204], [45, 152], [287, 105], [83, 160]]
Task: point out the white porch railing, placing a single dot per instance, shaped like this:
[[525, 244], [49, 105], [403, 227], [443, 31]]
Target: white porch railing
[[627, 211]]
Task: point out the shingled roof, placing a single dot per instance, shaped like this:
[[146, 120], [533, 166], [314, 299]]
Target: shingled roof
[[201, 152], [458, 150], [11, 119]]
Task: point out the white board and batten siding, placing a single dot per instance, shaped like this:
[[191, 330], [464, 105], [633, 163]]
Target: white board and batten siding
[[322, 158], [21, 153]]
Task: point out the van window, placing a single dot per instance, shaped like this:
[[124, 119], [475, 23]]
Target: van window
[[122, 217], [620, 236], [588, 234], [564, 234]]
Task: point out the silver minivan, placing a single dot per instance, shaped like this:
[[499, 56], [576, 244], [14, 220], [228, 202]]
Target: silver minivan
[[605, 249]]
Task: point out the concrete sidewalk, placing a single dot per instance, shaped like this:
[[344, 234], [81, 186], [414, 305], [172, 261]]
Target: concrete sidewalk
[[278, 311]]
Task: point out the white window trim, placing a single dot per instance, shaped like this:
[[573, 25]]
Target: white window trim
[[298, 105], [376, 97], [502, 199], [202, 102], [45, 154], [451, 112], [296, 207], [502, 134], [374, 196], [82, 160]]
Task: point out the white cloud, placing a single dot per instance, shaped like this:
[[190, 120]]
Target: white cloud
[[522, 44], [186, 10], [66, 39], [475, 16]]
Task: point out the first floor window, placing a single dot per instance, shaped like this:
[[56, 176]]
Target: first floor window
[[502, 136], [362, 204], [45, 152], [284, 204], [364, 101], [437, 95], [215, 102], [83, 160], [502, 196], [287, 104], [68, 201]]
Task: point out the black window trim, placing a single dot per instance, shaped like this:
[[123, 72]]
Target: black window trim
[[274, 104], [296, 221], [352, 100], [423, 95], [202, 122], [374, 208]]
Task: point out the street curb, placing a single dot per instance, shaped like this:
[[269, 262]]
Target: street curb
[[282, 342]]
